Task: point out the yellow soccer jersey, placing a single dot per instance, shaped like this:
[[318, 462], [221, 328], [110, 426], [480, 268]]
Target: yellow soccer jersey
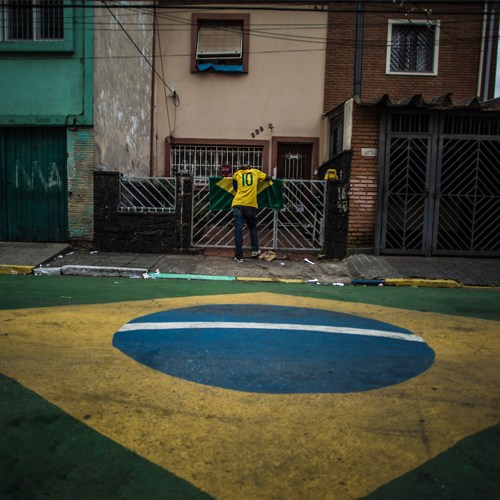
[[246, 194]]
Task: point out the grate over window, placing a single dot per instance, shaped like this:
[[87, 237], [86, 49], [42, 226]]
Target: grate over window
[[214, 161], [27, 20], [412, 48], [410, 122], [472, 125]]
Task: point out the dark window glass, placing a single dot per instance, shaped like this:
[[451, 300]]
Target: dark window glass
[[25, 20], [20, 20], [412, 48], [50, 24], [336, 135]]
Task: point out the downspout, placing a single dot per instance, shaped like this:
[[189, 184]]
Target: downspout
[[153, 80], [481, 51], [358, 50], [488, 56]]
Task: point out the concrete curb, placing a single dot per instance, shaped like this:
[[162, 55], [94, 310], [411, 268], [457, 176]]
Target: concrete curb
[[102, 271], [221, 278], [9, 269], [47, 271], [191, 277], [272, 280]]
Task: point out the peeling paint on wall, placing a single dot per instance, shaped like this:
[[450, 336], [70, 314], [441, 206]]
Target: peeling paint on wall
[[122, 92], [81, 185]]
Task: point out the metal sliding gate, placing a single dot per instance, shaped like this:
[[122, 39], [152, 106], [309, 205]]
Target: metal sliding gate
[[298, 226], [440, 184]]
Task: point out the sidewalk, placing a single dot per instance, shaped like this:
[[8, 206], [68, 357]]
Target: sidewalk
[[57, 258]]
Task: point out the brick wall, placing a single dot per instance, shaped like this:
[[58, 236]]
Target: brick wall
[[459, 48], [339, 71], [81, 185], [364, 177]]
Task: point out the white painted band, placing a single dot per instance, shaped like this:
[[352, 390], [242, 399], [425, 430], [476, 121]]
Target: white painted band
[[268, 326]]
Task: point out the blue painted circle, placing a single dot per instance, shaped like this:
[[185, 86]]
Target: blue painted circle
[[274, 361]]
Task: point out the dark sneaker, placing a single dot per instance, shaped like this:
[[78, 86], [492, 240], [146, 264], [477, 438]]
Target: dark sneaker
[[256, 253], [239, 261]]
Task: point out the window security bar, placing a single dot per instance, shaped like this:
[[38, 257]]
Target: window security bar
[[213, 161], [412, 48], [147, 194], [24, 20]]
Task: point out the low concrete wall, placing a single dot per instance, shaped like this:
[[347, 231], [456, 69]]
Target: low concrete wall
[[140, 232]]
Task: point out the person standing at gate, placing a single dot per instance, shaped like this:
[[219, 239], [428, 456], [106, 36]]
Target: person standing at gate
[[244, 206]]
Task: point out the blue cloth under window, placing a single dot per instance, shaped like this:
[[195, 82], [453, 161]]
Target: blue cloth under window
[[220, 67]]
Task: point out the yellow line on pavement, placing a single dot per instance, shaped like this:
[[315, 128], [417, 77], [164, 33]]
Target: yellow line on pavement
[[8, 269], [422, 283]]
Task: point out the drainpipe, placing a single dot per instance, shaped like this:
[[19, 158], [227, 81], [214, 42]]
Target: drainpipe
[[481, 51], [488, 56], [153, 79], [358, 50]]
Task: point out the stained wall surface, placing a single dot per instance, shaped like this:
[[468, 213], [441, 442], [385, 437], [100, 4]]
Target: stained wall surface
[[122, 90]]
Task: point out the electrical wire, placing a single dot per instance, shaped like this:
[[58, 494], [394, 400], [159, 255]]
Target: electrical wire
[[165, 89], [136, 46], [187, 24]]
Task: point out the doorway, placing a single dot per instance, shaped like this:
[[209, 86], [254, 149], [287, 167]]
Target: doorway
[[294, 161]]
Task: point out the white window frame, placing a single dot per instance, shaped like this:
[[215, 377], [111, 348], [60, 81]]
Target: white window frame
[[392, 22]]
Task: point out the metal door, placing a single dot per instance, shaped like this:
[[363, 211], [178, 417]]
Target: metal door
[[467, 211], [442, 200], [33, 184], [294, 161], [406, 184]]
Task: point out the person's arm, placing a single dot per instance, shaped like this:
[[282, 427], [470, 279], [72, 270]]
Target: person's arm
[[262, 176]]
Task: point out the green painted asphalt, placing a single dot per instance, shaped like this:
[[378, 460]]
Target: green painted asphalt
[[45, 453], [470, 470], [20, 292]]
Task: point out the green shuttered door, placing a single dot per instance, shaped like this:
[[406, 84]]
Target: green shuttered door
[[33, 184]]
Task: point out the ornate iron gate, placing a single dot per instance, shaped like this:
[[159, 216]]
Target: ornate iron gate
[[299, 226], [440, 184]]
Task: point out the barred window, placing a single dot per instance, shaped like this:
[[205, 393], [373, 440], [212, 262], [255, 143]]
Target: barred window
[[31, 20], [213, 160], [412, 47]]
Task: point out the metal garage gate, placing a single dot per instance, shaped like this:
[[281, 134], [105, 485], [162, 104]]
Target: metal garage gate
[[440, 184], [33, 184]]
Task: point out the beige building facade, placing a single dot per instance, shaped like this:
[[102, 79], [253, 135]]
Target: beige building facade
[[263, 106]]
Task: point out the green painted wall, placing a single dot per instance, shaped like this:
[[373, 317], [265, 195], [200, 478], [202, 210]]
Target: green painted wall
[[52, 85]]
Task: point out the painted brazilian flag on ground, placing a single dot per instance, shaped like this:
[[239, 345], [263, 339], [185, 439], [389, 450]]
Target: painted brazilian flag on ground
[[222, 192]]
